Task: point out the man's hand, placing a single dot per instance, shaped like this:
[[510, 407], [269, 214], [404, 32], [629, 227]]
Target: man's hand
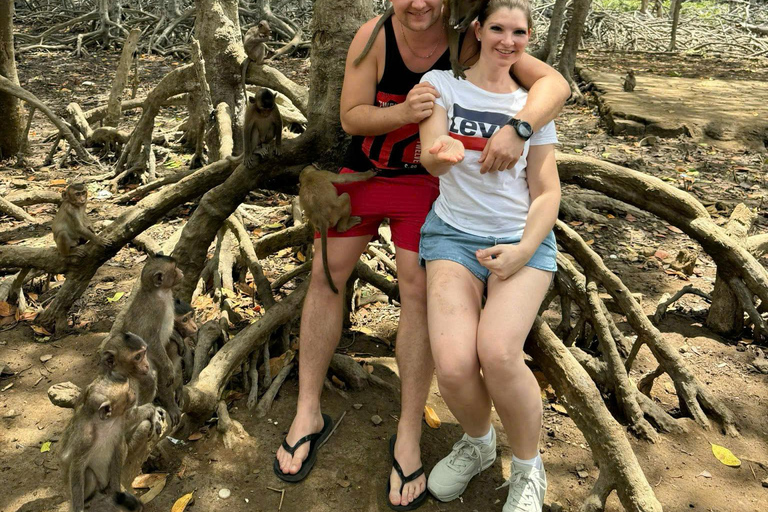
[[507, 261], [447, 150], [503, 150], [419, 103]]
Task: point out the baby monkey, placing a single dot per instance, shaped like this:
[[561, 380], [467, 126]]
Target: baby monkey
[[325, 208], [262, 126], [184, 327], [71, 226], [255, 49]]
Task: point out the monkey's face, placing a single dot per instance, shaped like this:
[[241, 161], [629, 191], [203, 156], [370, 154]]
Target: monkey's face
[[139, 362], [264, 99], [185, 324], [418, 15], [264, 30], [78, 196]]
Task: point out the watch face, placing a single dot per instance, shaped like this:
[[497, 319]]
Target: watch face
[[524, 129]]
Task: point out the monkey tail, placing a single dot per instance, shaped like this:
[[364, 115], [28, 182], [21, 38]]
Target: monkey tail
[[387, 14], [324, 250]]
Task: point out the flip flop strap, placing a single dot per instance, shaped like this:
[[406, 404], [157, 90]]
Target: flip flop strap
[[405, 479], [311, 437]]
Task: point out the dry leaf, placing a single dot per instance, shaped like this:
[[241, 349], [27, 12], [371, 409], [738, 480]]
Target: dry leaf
[[725, 456], [195, 436], [705, 474], [56, 183], [559, 408], [153, 492], [6, 309], [181, 503], [147, 480], [40, 330], [430, 416], [590, 242], [675, 229]]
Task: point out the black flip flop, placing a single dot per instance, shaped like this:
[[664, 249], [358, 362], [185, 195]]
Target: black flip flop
[[315, 441], [419, 501]]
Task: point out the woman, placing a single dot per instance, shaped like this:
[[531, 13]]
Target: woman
[[488, 233]]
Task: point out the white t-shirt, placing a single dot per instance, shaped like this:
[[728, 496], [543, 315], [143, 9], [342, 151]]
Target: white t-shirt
[[493, 204]]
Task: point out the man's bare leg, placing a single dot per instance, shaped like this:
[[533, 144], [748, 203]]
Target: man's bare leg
[[321, 322], [414, 360]]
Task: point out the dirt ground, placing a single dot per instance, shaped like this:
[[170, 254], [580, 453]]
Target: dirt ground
[[353, 466]]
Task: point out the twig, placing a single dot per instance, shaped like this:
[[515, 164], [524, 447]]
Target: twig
[[282, 495], [335, 426]]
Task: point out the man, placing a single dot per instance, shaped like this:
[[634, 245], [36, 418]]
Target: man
[[382, 103]]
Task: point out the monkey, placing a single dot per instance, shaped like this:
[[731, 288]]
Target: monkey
[[184, 327], [255, 49], [457, 17], [325, 208], [263, 124], [384, 17], [630, 81], [125, 356], [93, 446], [71, 226], [150, 316]]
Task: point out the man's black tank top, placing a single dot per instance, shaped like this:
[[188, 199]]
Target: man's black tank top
[[395, 153]]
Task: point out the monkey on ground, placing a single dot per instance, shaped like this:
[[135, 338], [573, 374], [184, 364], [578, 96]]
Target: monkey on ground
[[71, 226], [262, 126], [184, 327], [325, 208], [117, 502], [457, 16], [150, 316], [93, 446], [255, 49], [630, 81]]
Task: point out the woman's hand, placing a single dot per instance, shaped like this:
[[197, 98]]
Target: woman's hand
[[503, 260], [447, 150]]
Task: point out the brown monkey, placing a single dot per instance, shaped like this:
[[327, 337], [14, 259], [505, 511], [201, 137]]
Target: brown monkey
[[125, 356], [325, 208], [150, 316], [384, 17], [184, 327], [117, 502], [263, 124], [630, 81], [71, 226], [94, 442], [255, 49], [457, 16]]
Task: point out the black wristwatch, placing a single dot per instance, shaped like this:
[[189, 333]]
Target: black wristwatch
[[522, 128]]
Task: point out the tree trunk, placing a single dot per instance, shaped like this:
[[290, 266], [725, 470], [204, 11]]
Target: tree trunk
[[573, 38], [675, 7], [11, 112], [643, 6], [548, 51]]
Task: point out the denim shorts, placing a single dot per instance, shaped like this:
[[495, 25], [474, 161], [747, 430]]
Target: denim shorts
[[441, 241]]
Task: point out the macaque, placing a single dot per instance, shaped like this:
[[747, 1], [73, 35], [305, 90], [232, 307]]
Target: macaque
[[384, 17], [630, 81], [125, 356], [255, 49], [263, 124], [184, 327], [457, 16], [150, 316], [71, 226], [117, 502], [93, 446], [325, 208]]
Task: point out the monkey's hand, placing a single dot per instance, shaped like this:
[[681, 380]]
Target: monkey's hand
[[158, 421], [251, 160], [263, 152], [174, 413], [78, 252], [276, 151]]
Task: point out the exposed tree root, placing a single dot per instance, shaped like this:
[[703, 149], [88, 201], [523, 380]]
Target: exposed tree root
[[265, 404], [350, 371], [232, 431]]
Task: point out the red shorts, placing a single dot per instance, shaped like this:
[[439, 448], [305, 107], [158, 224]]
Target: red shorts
[[404, 200]]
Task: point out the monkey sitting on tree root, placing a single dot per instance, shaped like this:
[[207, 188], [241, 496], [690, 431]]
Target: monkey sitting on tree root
[[255, 49], [325, 208], [262, 126], [71, 226], [93, 446], [184, 327], [150, 316]]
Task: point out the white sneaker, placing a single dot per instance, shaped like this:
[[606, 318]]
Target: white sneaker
[[450, 477], [527, 487]]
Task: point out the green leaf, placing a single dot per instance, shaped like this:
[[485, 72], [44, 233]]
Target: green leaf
[[46, 447], [116, 297]]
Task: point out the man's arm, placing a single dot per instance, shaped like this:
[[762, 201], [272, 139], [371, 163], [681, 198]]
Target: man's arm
[[547, 91], [359, 116]]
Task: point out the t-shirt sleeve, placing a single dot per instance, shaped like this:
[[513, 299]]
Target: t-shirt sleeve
[[544, 135], [435, 78]]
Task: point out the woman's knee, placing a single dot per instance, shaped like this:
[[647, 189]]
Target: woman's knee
[[454, 374], [497, 355]]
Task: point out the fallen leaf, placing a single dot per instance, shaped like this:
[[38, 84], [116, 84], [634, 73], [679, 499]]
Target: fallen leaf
[[559, 408], [630, 217], [116, 297], [725, 456], [6, 309], [675, 229], [431, 417], [46, 447], [56, 183], [590, 242], [181, 503], [661, 254], [343, 483], [705, 474], [195, 436], [147, 480], [40, 330], [275, 225], [153, 492]]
